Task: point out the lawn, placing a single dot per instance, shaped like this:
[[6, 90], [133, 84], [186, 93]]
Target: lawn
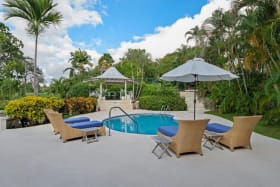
[[272, 131]]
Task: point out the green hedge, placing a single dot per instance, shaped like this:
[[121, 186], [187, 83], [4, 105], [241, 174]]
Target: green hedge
[[154, 96], [156, 102]]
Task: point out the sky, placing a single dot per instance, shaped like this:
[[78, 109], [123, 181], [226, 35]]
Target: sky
[[113, 26]]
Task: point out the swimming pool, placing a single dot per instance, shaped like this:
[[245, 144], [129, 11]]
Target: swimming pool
[[147, 123]]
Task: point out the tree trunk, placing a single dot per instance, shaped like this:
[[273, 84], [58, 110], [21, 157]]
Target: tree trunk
[[35, 81]]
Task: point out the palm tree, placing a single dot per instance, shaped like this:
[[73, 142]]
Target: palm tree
[[104, 62], [79, 60], [57, 87], [39, 15], [259, 27], [197, 34]]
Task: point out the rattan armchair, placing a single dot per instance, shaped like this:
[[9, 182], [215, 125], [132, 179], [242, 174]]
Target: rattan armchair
[[240, 133], [188, 137]]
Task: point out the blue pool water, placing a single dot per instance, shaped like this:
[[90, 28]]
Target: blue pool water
[[147, 123]]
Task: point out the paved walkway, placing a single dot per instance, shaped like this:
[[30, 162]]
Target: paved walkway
[[35, 157]]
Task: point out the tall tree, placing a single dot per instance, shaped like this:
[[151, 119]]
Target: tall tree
[[260, 27], [138, 59], [10, 50], [196, 34], [39, 15]]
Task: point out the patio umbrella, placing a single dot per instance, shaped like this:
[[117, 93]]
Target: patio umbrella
[[197, 70]]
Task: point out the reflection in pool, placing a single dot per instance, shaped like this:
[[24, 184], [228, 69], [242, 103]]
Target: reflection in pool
[[147, 123]]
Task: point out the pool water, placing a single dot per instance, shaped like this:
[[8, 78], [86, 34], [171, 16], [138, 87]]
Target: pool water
[[147, 123]]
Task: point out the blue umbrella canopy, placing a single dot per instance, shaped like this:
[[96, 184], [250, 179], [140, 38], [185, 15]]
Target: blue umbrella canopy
[[197, 70]]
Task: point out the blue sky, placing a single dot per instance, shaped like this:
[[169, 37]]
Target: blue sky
[[128, 18], [113, 26]]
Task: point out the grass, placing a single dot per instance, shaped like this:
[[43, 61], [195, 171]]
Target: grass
[[272, 131]]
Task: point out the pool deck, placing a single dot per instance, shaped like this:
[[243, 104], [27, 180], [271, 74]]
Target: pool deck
[[35, 157]]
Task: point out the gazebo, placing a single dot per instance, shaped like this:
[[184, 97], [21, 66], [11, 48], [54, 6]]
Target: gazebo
[[113, 76]]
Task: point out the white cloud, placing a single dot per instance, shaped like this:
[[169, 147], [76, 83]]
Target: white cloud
[[138, 38], [75, 13], [167, 39], [55, 45]]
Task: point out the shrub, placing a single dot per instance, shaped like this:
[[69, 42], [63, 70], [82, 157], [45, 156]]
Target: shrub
[[80, 89], [156, 102], [154, 96], [80, 105], [29, 110], [55, 103]]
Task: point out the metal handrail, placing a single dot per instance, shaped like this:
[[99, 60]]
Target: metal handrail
[[167, 108], [109, 124], [164, 108]]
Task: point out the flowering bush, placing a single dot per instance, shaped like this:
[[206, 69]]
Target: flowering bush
[[29, 110], [80, 105]]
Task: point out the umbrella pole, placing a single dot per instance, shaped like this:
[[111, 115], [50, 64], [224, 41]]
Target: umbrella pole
[[194, 99]]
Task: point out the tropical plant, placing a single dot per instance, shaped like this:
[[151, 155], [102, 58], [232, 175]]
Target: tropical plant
[[199, 36], [137, 59], [80, 89], [80, 62], [104, 62], [260, 25], [40, 15], [58, 87]]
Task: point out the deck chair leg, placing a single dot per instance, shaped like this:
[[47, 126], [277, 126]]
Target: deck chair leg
[[164, 149], [250, 146], [163, 143], [155, 148]]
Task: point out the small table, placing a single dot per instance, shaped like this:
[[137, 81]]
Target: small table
[[87, 131], [162, 142], [213, 138]]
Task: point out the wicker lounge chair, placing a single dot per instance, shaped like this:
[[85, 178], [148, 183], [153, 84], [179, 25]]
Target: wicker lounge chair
[[66, 131], [47, 112], [240, 133], [68, 120], [187, 137]]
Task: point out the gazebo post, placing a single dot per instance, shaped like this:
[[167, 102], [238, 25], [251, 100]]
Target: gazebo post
[[101, 91], [125, 88]]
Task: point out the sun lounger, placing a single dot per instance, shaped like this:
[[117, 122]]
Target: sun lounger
[[71, 131], [68, 121]]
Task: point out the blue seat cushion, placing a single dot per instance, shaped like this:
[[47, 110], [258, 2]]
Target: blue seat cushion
[[86, 124], [217, 127], [168, 130], [76, 120]]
